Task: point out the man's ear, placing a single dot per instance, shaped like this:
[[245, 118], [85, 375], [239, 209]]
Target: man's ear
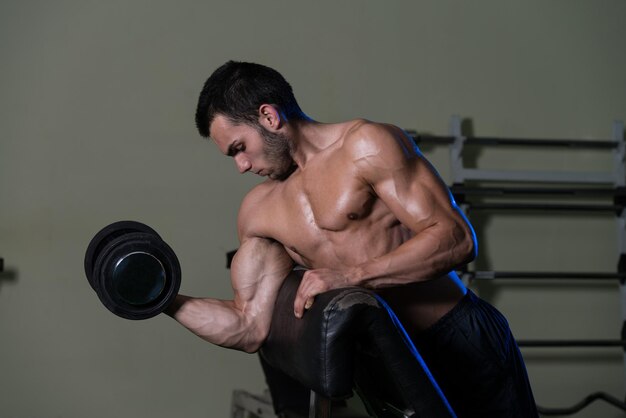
[[269, 117]]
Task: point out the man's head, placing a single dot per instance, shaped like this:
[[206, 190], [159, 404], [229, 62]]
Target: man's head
[[237, 90], [242, 107], [266, 152]]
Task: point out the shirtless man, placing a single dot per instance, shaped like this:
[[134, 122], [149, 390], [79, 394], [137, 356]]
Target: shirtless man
[[357, 205]]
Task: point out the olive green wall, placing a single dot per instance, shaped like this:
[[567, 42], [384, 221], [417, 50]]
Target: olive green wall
[[96, 110]]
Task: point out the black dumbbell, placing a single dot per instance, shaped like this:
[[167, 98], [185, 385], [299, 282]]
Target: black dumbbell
[[134, 272]]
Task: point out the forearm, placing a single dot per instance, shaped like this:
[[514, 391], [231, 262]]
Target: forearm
[[429, 254], [217, 321]]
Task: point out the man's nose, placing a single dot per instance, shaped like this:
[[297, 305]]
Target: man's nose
[[243, 164]]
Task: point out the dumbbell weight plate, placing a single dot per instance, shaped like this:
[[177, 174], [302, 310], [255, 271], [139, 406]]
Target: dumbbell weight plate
[[138, 278], [136, 275], [106, 235]]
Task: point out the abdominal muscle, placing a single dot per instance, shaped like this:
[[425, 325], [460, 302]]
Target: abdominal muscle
[[418, 305]]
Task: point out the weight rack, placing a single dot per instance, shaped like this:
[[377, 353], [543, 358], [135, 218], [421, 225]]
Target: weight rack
[[608, 185]]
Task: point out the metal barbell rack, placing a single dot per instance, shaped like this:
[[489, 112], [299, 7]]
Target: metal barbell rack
[[608, 185]]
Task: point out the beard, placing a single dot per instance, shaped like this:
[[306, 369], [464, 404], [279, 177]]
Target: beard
[[278, 148]]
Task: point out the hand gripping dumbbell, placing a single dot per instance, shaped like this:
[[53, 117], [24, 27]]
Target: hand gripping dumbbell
[[134, 272]]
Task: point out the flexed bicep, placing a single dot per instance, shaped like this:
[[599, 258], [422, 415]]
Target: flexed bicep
[[257, 272]]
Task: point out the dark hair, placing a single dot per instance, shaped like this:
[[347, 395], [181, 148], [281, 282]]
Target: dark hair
[[237, 90]]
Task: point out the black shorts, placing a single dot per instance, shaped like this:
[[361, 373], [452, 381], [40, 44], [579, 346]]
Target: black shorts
[[475, 360]]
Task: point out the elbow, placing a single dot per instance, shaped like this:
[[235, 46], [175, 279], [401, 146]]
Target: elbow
[[253, 339], [468, 248], [252, 345], [471, 251], [251, 349], [463, 248], [466, 238]]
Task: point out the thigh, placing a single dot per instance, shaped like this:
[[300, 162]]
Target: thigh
[[475, 360]]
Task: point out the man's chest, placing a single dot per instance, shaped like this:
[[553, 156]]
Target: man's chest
[[329, 196], [317, 211]]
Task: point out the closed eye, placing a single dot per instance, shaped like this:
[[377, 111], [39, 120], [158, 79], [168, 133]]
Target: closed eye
[[234, 149]]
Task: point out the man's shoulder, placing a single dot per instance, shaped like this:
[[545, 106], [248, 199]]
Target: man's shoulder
[[258, 210], [260, 196], [365, 138]]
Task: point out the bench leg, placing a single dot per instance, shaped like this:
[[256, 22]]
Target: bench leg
[[319, 406]]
